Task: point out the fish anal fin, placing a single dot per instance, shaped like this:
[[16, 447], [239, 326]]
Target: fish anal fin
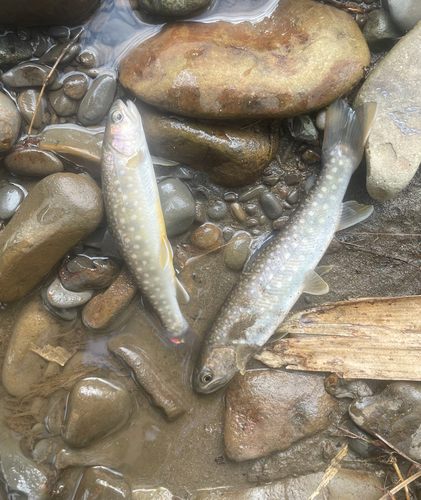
[[165, 257], [352, 213], [182, 295], [135, 160], [322, 270], [314, 284]]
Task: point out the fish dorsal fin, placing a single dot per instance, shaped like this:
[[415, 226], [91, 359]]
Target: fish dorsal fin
[[135, 160], [314, 284], [352, 213], [322, 270], [182, 295], [165, 257]]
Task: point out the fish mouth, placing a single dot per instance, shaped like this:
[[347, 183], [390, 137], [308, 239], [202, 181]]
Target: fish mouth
[[129, 109]]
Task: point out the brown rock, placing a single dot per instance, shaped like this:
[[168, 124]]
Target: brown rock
[[301, 58], [231, 154], [23, 368], [207, 237], [99, 483], [59, 211], [103, 310], [10, 122], [268, 410], [26, 160]]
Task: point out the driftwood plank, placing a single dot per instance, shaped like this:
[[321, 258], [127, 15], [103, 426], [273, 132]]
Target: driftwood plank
[[375, 338]]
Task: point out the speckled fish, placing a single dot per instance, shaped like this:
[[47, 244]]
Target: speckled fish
[[135, 216], [285, 265]]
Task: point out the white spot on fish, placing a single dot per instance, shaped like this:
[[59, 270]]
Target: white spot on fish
[[323, 189], [125, 197], [131, 229], [146, 254], [136, 247], [334, 169], [137, 238], [133, 217]]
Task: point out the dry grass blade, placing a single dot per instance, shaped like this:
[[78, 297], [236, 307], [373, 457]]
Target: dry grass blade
[[400, 486], [398, 472], [47, 78], [331, 471], [401, 453]]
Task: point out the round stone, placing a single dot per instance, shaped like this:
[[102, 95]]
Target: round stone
[[62, 104], [321, 119], [10, 199], [218, 210], [178, 206], [9, 123], [237, 250], [75, 86], [207, 237], [271, 205], [27, 102], [98, 99]]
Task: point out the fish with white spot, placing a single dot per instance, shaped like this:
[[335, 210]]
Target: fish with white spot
[[135, 216], [285, 266]]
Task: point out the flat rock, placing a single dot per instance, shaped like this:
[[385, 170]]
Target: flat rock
[[59, 211], [231, 154], [393, 148], [269, 410], [27, 74], [10, 121], [301, 58], [394, 414], [172, 8], [345, 485], [26, 160]]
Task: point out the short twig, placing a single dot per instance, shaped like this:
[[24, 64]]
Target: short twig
[[399, 452], [398, 473], [400, 486]]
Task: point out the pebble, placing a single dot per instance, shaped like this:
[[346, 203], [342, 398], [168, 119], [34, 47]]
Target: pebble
[[238, 212], [172, 8], [59, 31], [10, 199], [27, 102], [76, 85], [271, 180], [230, 197], [207, 237], [178, 206], [252, 222], [40, 44], [321, 119], [51, 56], [261, 402], [22, 368], [13, 50], [218, 210], [105, 309], [310, 182], [262, 220], [292, 179], [394, 144], [379, 30], [87, 273], [95, 408], [251, 208], [228, 233], [68, 314], [27, 74], [177, 78], [406, 15], [61, 103], [237, 251], [200, 215], [303, 128], [101, 483], [58, 212], [62, 298], [293, 196], [26, 160], [271, 205], [393, 414], [98, 99], [252, 193], [280, 223], [10, 122], [311, 156], [236, 159]]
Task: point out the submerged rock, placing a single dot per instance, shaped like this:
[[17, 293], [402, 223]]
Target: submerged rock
[[269, 410], [172, 8], [27, 74], [10, 199], [237, 250], [230, 153], [10, 121], [26, 160], [58, 212], [405, 14], [27, 102], [301, 58], [95, 408], [178, 206], [87, 273], [394, 414], [207, 237], [393, 148], [98, 99], [100, 483], [60, 297]]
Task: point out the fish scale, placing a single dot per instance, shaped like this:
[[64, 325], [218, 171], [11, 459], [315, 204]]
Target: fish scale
[[284, 268]]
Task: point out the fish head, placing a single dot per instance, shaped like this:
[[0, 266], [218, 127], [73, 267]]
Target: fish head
[[124, 131], [216, 366]]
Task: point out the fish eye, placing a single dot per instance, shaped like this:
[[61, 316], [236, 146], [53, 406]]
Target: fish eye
[[116, 117], [206, 377]]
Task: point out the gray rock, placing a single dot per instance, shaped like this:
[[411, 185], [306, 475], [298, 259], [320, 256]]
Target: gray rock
[[68, 314], [10, 122], [393, 148], [379, 30], [27, 102], [98, 99], [26, 160], [95, 408], [271, 205], [293, 196], [61, 103], [172, 8], [13, 50], [62, 298], [237, 250], [100, 483], [59, 31], [406, 14], [51, 56], [178, 206], [218, 210], [27, 74], [10, 199], [40, 44], [303, 128], [393, 414], [252, 193], [76, 85], [321, 119]]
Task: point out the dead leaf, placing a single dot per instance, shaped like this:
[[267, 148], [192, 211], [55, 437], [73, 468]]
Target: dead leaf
[[331, 471], [57, 354]]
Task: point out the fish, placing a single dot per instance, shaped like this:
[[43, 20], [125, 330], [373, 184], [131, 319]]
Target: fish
[[284, 267], [135, 218]]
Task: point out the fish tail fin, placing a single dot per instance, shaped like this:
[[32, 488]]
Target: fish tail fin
[[348, 128], [186, 334]]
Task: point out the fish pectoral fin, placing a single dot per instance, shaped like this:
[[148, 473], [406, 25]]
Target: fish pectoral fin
[[135, 160], [165, 256], [241, 358], [322, 270], [182, 295], [352, 213], [314, 284]]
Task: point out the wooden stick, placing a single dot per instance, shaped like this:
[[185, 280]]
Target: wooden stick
[[400, 486]]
